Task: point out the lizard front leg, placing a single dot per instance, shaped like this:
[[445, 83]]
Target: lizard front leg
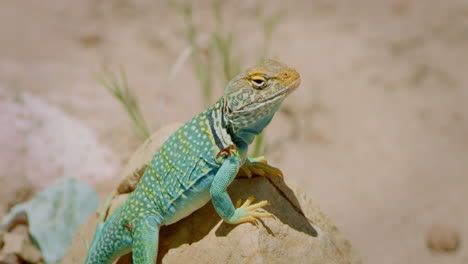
[[223, 203], [258, 166]]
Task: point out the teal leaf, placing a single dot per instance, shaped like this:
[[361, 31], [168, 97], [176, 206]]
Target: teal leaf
[[55, 214]]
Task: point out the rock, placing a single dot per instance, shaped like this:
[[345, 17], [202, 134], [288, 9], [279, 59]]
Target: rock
[[442, 238], [2, 235], [21, 229], [7, 255], [52, 144], [299, 233], [21, 246], [9, 259]]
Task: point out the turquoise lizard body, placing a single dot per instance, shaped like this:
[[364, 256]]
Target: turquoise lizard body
[[197, 163]]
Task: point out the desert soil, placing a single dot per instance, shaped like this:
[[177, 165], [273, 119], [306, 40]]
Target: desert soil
[[377, 134]]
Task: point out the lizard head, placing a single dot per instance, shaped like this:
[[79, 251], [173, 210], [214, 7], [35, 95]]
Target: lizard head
[[252, 97]]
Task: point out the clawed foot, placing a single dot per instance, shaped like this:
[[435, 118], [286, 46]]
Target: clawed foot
[[247, 212], [258, 167]]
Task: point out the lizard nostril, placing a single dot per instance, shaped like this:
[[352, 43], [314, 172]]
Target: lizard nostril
[[285, 75]]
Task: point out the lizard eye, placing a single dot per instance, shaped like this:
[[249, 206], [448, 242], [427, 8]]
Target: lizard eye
[[258, 82]]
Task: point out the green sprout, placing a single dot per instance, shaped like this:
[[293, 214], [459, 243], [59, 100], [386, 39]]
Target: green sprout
[[125, 96]]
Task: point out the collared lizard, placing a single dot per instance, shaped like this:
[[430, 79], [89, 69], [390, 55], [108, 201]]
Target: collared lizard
[[197, 163]]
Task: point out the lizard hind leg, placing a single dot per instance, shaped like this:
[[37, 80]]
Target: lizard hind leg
[[110, 241], [145, 233]]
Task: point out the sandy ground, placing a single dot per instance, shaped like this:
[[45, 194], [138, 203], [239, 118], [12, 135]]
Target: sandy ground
[[377, 133]]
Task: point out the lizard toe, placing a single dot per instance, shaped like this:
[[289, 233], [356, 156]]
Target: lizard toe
[[247, 212]]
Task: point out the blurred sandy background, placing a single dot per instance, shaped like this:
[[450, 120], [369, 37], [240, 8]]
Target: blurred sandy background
[[377, 134]]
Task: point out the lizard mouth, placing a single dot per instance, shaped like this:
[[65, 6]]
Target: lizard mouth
[[285, 91]]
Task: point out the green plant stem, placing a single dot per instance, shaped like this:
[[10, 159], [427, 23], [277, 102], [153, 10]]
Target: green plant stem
[[123, 94]]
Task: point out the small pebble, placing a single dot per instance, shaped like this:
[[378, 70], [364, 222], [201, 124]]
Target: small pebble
[[443, 238]]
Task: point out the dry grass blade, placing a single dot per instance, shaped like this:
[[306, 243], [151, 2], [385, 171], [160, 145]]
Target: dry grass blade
[[123, 94]]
